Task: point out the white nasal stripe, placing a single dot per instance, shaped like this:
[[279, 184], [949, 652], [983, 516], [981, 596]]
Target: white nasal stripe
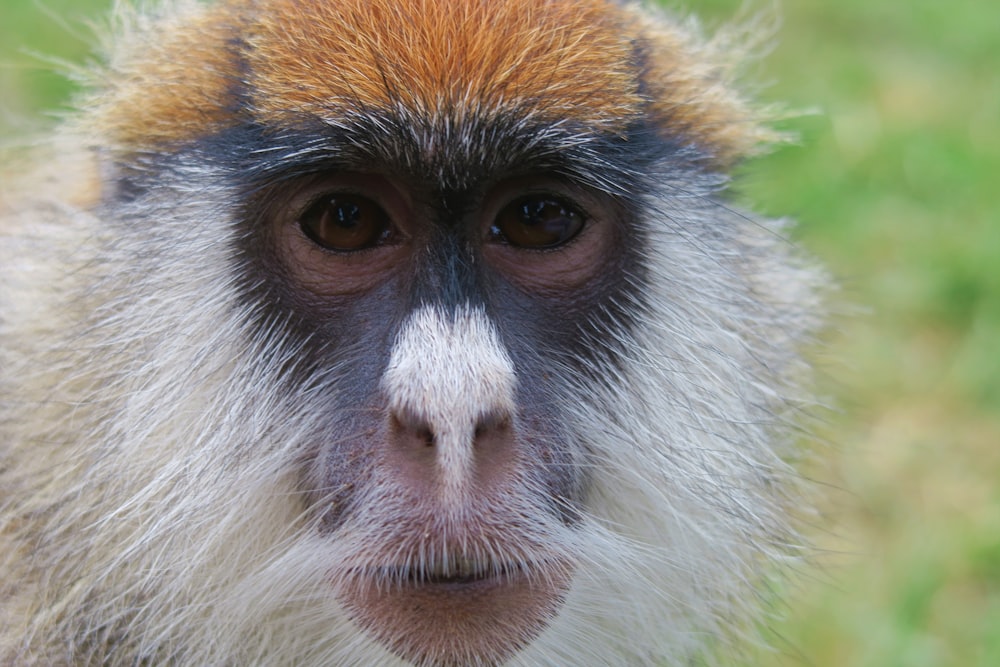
[[450, 371]]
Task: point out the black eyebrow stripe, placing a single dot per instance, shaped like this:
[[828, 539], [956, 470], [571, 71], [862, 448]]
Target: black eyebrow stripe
[[452, 156]]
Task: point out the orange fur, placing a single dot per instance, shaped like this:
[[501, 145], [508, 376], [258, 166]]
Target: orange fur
[[172, 85], [689, 82], [576, 61], [445, 58]]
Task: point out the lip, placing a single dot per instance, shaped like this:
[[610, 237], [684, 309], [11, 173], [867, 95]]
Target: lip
[[457, 575], [442, 613]]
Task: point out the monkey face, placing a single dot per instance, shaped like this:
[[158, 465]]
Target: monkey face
[[395, 331], [433, 309], [436, 262]]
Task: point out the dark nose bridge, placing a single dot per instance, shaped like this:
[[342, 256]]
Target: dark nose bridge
[[449, 276]]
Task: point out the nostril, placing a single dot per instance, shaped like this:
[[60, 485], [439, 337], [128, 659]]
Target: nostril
[[426, 436], [492, 424], [435, 453], [413, 430]]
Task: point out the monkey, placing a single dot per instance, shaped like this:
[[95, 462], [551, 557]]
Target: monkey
[[397, 332]]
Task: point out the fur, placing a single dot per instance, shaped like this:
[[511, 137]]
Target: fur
[[154, 420]]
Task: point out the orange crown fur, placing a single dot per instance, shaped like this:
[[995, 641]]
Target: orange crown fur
[[591, 61]]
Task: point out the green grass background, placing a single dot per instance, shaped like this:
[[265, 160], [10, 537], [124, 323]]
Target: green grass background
[[894, 182]]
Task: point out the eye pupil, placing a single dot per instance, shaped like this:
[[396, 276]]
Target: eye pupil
[[537, 222], [348, 215], [346, 222]]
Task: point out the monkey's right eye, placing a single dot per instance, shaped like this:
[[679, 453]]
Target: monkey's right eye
[[346, 222]]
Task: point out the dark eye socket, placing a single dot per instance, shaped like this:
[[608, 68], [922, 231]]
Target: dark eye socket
[[346, 222], [537, 222]]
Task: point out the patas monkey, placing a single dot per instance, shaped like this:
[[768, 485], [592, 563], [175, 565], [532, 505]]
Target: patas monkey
[[377, 332]]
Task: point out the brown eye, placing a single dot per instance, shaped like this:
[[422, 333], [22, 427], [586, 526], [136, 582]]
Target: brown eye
[[346, 222], [537, 222]]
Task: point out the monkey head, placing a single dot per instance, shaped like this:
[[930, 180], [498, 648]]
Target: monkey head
[[394, 331]]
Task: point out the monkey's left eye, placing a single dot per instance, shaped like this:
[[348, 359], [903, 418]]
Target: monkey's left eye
[[346, 222], [537, 222]]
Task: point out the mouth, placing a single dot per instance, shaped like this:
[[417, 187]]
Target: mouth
[[456, 572], [442, 611]]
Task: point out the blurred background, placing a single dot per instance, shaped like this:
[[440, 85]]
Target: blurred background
[[894, 179]]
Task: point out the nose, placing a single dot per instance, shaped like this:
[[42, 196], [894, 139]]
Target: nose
[[452, 455], [450, 389]]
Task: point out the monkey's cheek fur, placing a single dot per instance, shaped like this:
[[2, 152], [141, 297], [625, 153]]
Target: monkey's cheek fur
[[486, 616]]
